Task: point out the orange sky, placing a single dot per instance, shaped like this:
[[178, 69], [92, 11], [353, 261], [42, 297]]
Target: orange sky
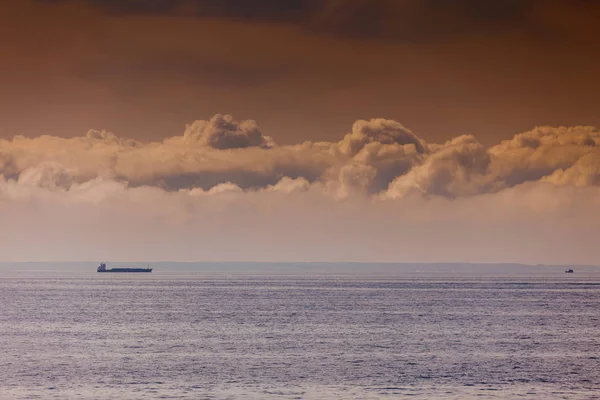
[[300, 130], [305, 70]]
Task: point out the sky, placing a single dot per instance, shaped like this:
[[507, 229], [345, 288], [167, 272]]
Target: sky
[[300, 130]]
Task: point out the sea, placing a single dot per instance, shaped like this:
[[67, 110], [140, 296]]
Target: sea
[[299, 331]]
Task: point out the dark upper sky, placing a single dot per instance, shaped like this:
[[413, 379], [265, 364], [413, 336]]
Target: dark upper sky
[[304, 69]]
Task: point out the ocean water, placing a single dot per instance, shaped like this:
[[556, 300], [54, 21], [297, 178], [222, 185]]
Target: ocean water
[[299, 331]]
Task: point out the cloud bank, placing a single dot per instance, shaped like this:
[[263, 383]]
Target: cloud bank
[[224, 190]]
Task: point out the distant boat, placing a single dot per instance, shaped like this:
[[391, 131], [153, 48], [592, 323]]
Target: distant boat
[[102, 268], [569, 271]]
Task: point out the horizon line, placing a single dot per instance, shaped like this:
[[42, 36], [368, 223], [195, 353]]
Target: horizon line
[[313, 262]]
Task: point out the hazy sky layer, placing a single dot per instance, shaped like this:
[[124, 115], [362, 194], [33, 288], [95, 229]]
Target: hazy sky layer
[[305, 69], [300, 130]]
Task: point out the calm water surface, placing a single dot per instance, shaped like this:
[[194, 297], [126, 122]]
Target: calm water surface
[[229, 332]]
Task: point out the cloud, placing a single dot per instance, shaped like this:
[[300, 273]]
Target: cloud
[[223, 132], [381, 131], [407, 20], [377, 157], [224, 190], [563, 156], [538, 153], [585, 172], [46, 175], [457, 168], [102, 218], [208, 153]]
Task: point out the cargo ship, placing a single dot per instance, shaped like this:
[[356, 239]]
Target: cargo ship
[[102, 268]]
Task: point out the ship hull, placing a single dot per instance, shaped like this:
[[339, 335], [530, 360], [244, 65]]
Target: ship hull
[[127, 270]]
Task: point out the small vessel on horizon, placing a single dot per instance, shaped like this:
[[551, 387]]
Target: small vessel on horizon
[[102, 268], [569, 271]]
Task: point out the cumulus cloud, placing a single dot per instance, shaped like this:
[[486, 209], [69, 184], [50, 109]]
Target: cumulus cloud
[[379, 193], [381, 131], [457, 168], [46, 175], [223, 132], [563, 156], [536, 154], [377, 158], [584, 172]]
